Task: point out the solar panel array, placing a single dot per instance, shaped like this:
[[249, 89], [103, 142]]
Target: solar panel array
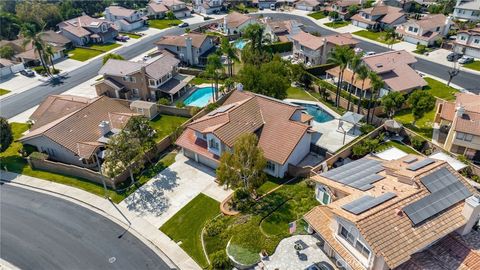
[[359, 174], [445, 191], [410, 160], [221, 109], [420, 164], [367, 202]]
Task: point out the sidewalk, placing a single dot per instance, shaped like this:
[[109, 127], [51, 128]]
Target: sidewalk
[[151, 236]]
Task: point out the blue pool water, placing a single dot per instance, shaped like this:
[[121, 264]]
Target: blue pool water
[[199, 97], [240, 43], [319, 114]]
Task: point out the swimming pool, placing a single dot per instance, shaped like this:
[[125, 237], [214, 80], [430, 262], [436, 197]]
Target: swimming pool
[[200, 97], [319, 114], [239, 43]]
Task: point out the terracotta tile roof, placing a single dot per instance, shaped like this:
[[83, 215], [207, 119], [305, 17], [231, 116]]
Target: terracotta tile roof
[[190, 142], [470, 122], [393, 15], [235, 19], [345, 39], [55, 38], [309, 3], [121, 11], [80, 126], [335, 71], [426, 36], [358, 17], [197, 40], [308, 40], [157, 7], [431, 21], [77, 31], [347, 3], [170, 3], [387, 230], [387, 14], [474, 31], [246, 112]]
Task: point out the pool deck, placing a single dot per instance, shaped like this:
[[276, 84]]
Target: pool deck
[[319, 104], [193, 89]]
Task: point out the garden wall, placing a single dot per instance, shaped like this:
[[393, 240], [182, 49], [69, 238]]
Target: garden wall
[[170, 110]]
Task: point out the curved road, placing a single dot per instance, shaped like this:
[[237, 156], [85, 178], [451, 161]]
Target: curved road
[[15, 104], [38, 231]]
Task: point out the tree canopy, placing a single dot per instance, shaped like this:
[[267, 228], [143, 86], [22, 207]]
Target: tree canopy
[[6, 137], [421, 102], [244, 167], [10, 26], [392, 102], [112, 56], [6, 52]]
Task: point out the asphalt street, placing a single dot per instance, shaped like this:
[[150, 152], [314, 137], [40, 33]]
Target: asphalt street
[[38, 231], [21, 102]]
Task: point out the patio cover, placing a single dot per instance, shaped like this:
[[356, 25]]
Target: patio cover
[[172, 86], [351, 117], [393, 125], [456, 164]]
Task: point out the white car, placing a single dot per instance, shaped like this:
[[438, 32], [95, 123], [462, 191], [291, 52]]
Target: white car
[[370, 53], [465, 59]]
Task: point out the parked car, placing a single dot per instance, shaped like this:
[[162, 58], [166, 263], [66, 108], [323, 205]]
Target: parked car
[[370, 53], [273, 7], [183, 25], [465, 60], [454, 56], [121, 38], [260, 8], [27, 72]]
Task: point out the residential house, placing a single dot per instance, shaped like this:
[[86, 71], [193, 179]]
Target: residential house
[[145, 80], [313, 50], [158, 8], [403, 4], [234, 23], [379, 17], [208, 6], [265, 4], [75, 130], [8, 67], [85, 29], [468, 42], [124, 18], [282, 136], [468, 10], [378, 214], [191, 49], [308, 5], [341, 7], [281, 31], [457, 125], [394, 67], [425, 30]]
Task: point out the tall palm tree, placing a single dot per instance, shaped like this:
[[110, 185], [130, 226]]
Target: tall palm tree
[[362, 74], [377, 84], [340, 56], [32, 37], [214, 64], [355, 63], [390, 36], [49, 51], [229, 50]]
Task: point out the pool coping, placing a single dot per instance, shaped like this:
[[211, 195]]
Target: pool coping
[[193, 89], [320, 104]]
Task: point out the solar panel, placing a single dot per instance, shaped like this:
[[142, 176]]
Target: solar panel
[[221, 109], [367, 202], [420, 164], [410, 160], [446, 190]]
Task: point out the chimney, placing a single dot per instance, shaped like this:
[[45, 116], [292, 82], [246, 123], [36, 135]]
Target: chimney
[[460, 111], [189, 50], [471, 212], [225, 27], [104, 127], [448, 24], [324, 51], [239, 87]]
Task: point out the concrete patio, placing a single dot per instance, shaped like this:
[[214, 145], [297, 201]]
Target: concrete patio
[[328, 135], [285, 256]]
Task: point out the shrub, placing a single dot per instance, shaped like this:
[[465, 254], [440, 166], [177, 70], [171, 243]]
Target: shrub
[[241, 200], [418, 142], [195, 110], [180, 104], [421, 49], [367, 128], [280, 47], [220, 260], [212, 106], [163, 101], [366, 146], [215, 227], [28, 150], [38, 155], [41, 70]]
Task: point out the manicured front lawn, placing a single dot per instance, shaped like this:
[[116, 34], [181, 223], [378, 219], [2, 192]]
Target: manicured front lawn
[[298, 93], [405, 148], [187, 224], [83, 54], [376, 36], [440, 90], [166, 124], [105, 47], [475, 65], [423, 126], [4, 91], [163, 23], [317, 15], [131, 35], [337, 24]]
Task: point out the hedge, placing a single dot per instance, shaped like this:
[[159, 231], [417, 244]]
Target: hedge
[[280, 47]]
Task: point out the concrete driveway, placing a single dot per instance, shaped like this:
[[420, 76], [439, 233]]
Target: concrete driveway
[[165, 194]]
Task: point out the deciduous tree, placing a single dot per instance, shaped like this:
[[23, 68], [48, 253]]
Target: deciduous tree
[[6, 52], [6, 137], [392, 102], [421, 102], [139, 128]]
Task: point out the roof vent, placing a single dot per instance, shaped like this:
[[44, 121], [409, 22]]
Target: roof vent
[[379, 65]]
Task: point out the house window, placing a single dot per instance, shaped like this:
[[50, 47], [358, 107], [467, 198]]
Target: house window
[[362, 249], [463, 37], [345, 234], [476, 41], [213, 144], [178, 49], [270, 166], [323, 196], [438, 29], [152, 82], [464, 136]]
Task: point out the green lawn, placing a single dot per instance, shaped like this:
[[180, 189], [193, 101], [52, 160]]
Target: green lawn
[[298, 93], [475, 65], [423, 126], [337, 24], [405, 148], [440, 90], [4, 91], [163, 23], [187, 224], [317, 15], [131, 35], [83, 54], [376, 36], [271, 183], [166, 124]]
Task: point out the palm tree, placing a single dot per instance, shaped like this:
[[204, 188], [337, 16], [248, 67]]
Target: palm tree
[[355, 63], [340, 56], [49, 53], [229, 50], [254, 32], [32, 37], [377, 84], [214, 64], [362, 74], [228, 83], [390, 36]]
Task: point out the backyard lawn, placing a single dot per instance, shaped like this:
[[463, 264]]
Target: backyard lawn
[[83, 54], [187, 224], [163, 23], [317, 15], [4, 91], [424, 126], [298, 93], [405, 148], [166, 124], [440, 90], [475, 65], [337, 24], [376, 36]]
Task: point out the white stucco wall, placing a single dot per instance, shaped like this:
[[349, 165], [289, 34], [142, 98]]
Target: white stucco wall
[[301, 150]]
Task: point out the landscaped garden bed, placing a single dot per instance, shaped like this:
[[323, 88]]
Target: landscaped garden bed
[[376, 36], [4, 91], [337, 24], [317, 15]]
